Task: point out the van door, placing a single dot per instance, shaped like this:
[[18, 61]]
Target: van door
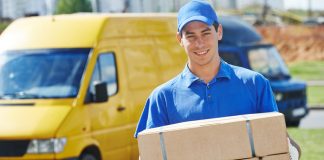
[[109, 120], [141, 68]]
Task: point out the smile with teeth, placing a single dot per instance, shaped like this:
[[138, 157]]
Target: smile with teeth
[[202, 52]]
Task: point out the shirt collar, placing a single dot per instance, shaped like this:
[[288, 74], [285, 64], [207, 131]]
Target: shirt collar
[[224, 70], [189, 77]]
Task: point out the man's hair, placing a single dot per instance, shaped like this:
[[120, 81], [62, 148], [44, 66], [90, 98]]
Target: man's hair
[[215, 24]]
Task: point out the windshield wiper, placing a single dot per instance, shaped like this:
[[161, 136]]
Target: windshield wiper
[[19, 95]]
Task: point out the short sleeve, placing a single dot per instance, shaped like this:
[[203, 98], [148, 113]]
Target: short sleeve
[[266, 101], [154, 113]]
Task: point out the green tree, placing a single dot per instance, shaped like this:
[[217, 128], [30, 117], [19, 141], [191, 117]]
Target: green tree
[[73, 6], [3, 26]]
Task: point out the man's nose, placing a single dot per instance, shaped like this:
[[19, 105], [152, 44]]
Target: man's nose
[[199, 42]]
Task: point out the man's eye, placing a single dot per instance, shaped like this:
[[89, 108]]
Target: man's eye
[[206, 33], [190, 37]]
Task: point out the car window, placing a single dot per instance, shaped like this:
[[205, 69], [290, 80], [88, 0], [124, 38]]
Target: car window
[[105, 71], [42, 73], [231, 58]]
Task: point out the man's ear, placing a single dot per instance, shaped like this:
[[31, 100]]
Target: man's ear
[[178, 36], [220, 32]]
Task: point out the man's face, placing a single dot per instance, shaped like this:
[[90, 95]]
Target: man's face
[[200, 42]]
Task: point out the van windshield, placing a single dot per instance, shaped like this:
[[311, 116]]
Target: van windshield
[[44, 73], [268, 62]]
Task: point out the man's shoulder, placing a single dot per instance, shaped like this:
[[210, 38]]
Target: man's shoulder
[[246, 74], [167, 87]]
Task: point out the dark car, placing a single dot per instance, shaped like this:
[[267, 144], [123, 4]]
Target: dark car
[[314, 21], [242, 46]]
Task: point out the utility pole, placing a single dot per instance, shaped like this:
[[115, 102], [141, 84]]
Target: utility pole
[[309, 8], [1, 9], [126, 6], [265, 11], [98, 6], [174, 6]]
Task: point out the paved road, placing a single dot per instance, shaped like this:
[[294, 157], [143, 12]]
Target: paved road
[[315, 119], [315, 83]]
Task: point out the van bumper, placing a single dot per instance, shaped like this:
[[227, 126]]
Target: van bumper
[[36, 158], [72, 158], [293, 115]]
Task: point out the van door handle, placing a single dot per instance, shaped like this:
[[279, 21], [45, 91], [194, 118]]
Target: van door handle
[[121, 108]]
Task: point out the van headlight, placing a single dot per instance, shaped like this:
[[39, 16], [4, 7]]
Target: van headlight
[[53, 145], [279, 96]]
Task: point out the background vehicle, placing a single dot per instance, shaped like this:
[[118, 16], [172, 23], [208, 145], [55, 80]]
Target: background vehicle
[[74, 86], [242, 46]]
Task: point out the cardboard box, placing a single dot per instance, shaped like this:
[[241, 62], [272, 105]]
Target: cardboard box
[[219, 138], [269, 133]]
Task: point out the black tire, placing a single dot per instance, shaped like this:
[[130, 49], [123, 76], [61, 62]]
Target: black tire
[[88, 156], [293, 123]]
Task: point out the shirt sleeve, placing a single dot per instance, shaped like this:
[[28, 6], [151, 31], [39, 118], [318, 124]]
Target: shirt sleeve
[[266, 101], [154, 113]]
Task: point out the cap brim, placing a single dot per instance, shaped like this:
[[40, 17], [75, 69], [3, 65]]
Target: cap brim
[[195, 18]]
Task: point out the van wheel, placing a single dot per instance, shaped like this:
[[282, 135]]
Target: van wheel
[[293, 123], [88, 156]]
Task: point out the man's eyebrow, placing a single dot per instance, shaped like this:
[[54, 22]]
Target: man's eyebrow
[[191, 33], [188, 33], [206, 30]]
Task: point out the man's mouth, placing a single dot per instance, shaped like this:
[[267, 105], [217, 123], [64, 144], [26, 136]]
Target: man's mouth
[[202, 52]]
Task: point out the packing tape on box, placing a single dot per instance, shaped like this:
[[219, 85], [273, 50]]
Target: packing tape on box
[[248, 127], [164, 154]]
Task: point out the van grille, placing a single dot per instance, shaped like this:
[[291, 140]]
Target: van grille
[[294, 95], [13, 148]]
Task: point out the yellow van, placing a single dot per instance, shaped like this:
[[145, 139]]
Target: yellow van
[[73, 86]]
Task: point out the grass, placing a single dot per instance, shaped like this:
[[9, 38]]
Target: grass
[[315, 95], [308, 70], [311, 142]]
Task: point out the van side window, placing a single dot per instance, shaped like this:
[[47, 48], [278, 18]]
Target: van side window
[[105, 71], [231, 58]]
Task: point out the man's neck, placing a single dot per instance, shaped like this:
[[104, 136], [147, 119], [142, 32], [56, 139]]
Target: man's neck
[[206, 72]]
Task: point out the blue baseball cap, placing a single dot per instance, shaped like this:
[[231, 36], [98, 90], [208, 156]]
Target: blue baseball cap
[[196, 10]]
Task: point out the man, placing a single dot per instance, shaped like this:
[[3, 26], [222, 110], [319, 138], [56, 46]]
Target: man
[[208, 87]]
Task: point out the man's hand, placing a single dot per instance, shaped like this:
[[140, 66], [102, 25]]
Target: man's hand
[[294, 149]]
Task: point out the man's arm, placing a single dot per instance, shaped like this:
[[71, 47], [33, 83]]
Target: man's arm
[[154, 113], [266, 101]]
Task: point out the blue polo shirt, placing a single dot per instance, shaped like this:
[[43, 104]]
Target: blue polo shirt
[[233, 91]]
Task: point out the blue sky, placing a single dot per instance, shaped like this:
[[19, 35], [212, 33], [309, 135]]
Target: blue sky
[[304, 4]]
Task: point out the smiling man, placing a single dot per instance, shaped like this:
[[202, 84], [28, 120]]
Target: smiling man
[[208, 87]]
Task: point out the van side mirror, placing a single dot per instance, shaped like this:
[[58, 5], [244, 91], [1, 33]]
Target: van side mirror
[[101, 92]]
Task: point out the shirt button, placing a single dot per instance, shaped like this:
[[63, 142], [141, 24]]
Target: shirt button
[[208, 87], [209, 96]]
